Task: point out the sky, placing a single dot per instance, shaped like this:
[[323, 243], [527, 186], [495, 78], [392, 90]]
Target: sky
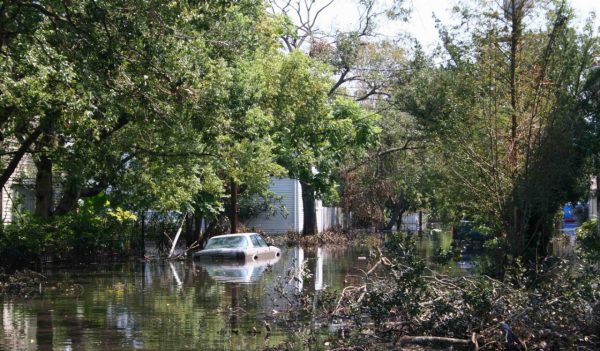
[[343, 14]]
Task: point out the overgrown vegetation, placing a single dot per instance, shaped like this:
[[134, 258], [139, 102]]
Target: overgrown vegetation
[[97, 229], [401, 301], [589, 240]]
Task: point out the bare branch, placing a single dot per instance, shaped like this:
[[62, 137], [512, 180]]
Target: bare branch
[[373, 91], [41, 9], [319, 12], [341, 80], [379, 154]]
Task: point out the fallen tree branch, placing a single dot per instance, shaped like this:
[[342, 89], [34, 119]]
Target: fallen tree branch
[[434, 340]]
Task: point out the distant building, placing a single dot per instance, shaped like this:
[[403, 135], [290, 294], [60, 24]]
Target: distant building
[[290, 192], [413, 222]]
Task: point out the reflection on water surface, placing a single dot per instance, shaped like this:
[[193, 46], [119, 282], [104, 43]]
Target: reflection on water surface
[[166, 305], [181, 305]]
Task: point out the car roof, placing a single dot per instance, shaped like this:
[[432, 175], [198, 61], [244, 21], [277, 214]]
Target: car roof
[[237, 234]]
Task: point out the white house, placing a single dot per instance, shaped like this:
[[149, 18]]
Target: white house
[[413, 222], [18, 195], [290, 192]]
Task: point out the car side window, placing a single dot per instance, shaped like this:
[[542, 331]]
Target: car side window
[[257, 241]]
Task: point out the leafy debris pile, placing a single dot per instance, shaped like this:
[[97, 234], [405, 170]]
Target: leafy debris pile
[[401, 302], [25, 283]]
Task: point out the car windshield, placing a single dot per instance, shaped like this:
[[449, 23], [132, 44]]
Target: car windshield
[[258, 241], [227, 242]]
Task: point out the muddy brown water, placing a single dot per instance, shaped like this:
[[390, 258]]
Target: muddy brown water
[[182, 305]]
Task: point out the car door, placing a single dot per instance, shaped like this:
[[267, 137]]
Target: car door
[[261, 248], [250, 250]]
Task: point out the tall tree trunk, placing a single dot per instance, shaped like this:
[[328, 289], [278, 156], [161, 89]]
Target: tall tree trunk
[[310, 210], [516, 16], [190, 238], [44, 191], [515, 13], [43, 187], [198, 229], [234, 210], [397, 211], [399, 220], [71, 193], [143, 234]]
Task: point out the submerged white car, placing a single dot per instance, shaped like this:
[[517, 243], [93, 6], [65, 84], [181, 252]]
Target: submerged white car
[[243, 246]]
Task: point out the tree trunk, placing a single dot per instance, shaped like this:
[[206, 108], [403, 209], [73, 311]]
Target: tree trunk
[[74, 191], [516, 15], [69, 198], [143, 234], [396, 218], [190, 238], [44, 190], [198, 230], [399, 221], [43, 187], [597, 204], [234, 210], [516, 233], [310, 211]]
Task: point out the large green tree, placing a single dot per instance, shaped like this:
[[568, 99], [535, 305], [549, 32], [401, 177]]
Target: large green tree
[[315, 134], [138, 98], [501, 113]]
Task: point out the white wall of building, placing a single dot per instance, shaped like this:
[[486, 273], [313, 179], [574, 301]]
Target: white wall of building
[[290, 192], [410, 222], [18, 195]]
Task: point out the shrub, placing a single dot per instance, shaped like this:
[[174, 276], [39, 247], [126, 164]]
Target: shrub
[[94, 230], [589, 240]]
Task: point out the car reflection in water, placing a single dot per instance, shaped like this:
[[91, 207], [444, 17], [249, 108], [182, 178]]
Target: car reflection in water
[[226, 271]]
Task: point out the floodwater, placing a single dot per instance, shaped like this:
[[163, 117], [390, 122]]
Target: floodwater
[[181, 305]]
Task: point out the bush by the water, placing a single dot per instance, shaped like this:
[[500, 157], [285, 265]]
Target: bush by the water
[[589, 238], [96, 229]]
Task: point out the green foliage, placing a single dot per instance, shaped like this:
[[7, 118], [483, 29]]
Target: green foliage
[[395, 177], [314, 135], [589, 239], [96, 230], [502, 119], [407, 284]]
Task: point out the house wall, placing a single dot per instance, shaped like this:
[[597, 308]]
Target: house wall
[[18, 193], [410, 222], [329, 217], [291, 198], [291, 193]]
